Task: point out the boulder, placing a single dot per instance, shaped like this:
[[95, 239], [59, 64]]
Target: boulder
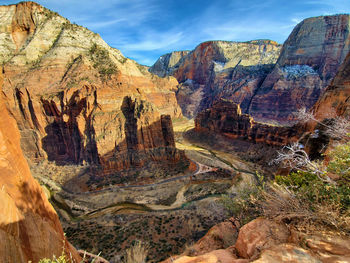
[[259, 235]]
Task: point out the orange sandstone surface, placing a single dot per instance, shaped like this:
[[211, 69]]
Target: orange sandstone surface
[[29, 226]]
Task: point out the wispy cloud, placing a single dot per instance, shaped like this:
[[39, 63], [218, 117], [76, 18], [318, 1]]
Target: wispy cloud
[[145, 29], [155, 41], [98, 25]]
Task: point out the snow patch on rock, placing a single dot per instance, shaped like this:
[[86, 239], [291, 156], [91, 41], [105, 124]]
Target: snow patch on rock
[[297, 71], [218, 66]]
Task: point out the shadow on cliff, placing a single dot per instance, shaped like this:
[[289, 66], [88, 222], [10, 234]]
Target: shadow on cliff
[[64, 143], [31, 200], [148, 144]]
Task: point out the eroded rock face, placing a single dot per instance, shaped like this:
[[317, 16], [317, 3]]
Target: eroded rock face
[[287, 253], [66, 89], [309, 60], [226, 117], [247, 73], [336, 99], [220, 236], [167, 63], [148, 136], [220, 69], [29, 226], [258, 235], [263, 240]]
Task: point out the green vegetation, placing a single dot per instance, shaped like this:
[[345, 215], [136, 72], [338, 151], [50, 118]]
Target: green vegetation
[[306, 198], [245, 205], [102, 61]]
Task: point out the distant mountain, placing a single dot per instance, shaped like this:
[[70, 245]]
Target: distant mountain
[[268, 82], [220, 69]]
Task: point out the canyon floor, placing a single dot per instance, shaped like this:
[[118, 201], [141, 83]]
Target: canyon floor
[[167, 208]]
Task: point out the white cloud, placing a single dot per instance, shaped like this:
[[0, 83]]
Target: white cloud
[[153, 41], [97, 25]]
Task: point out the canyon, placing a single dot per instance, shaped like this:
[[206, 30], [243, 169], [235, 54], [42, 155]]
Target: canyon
[[127, 152], [70, 97], [270, 82]]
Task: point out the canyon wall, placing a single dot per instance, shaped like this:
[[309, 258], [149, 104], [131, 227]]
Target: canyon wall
[[226, 117], [29, 226], [168, 63], [220, 69], [335, 101], [309, 60], [268, 82], [67, 89]]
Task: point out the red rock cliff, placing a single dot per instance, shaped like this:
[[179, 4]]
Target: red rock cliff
[[66, 87], [336, 99], [29, 226], [226, 117], [220, 69], [309, 60]]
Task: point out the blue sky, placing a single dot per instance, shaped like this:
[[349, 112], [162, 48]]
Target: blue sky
[[146, 29]]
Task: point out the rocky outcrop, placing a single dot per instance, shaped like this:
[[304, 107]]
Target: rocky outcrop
[[148, 136], [263, 240], [250, 242], [309, 60], [168, 63], [220, 236], [67, 88], [29, 226], [249, 73], [336, 99], [220, 69], [226, 117]]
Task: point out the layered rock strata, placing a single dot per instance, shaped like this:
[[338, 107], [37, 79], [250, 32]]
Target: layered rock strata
[[168, 63], [67, 88], [309, 60], [29, 226], [268, 82], [335, 101], [220, 69], [226, 117]]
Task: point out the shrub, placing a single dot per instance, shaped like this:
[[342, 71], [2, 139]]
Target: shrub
[[137, 253], [102, 61], [326, 201]]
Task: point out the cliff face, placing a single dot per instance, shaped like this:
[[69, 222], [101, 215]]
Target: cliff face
[[247, 73], [167, 63], [335, 101], [221, 69], [148, 136], [226, 117], [309, 60], [29, 226], [67, 88]]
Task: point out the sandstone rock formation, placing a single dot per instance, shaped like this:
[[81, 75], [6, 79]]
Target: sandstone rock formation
[[67, 89], [167, 63], [226, 117], [335, 101], [29, 226], [220, 69], [309, 60], [250, 241], [263, 240], [220, 236], [247, 73]]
